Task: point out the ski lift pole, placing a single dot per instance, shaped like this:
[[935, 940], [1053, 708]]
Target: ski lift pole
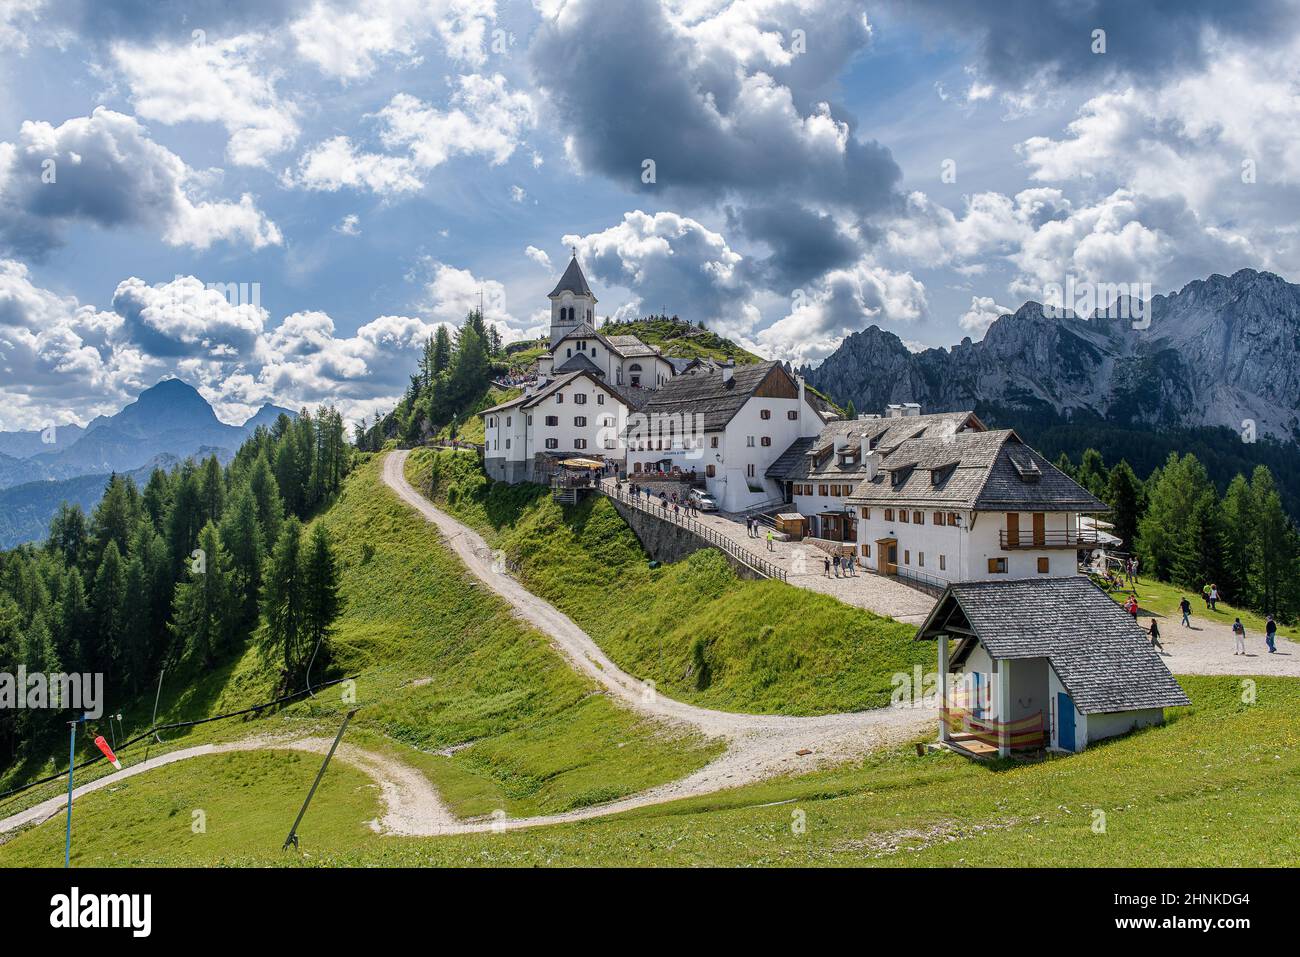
[[72, 760], [293, 831]]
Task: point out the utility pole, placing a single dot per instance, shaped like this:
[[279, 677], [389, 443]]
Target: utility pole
[[293, 831]]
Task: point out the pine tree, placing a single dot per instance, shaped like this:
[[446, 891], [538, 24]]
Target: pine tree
[[109, 605], [1276, 545], [207, 610], [185, 519], [1198, 558], [1240, 542], [270, 507], [69, 535], [282, 603], [441, 350], [1164, 531], [1124, 496], [242, 536], [74, 623], [212, 491], [114, 517], [321, 600]]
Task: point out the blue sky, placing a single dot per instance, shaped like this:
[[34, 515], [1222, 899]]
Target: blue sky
[[369, 168]]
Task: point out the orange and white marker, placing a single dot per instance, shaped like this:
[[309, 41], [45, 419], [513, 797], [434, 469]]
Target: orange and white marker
[[108, 752]]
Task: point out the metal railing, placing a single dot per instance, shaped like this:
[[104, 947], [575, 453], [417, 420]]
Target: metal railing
[[931, 584], [1048, 539], [652, 507]]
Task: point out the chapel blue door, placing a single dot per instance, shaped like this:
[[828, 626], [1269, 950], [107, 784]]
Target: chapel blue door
[[1064, 721]]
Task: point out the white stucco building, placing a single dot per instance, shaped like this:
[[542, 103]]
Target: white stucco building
[[727, 424]]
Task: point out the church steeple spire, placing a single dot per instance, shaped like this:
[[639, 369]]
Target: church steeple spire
[[572, 301]]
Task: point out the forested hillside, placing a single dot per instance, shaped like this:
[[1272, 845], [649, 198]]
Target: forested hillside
[[1185, 532], [453, 377], [179, 575]]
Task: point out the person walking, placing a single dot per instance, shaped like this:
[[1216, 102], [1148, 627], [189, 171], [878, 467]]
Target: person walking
[[1239, 637], [1185, 607], [1214, 598], [1270, 635], [1205, 593], [769, 541], [850, 564], [1155, 635], [827, 566], [835, 563]]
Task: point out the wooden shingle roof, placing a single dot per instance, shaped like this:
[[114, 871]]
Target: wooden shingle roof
[[1102, 656], [704, 392], [984, 471]]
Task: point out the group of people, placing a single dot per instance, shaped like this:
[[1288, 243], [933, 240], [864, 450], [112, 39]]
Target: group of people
[[1210, 592], [1185, 607], [844, 567], [754, 529], [1131, 570]]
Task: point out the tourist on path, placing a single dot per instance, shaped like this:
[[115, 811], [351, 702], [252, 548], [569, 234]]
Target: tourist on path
[[1239, 637], [835, 563], [827, 561], [1155, 636], [1205, 593], [1270, 635], [1214, 598], [1185, 607], [769, 541]]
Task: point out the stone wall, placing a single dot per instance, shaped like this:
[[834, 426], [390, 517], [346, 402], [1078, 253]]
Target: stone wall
[[667, 542]]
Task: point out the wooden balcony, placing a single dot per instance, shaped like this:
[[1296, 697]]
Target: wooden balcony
[[1048, 539]]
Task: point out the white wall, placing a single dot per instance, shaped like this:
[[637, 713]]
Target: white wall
[[565, 432], [1121, 722], [967, 547]]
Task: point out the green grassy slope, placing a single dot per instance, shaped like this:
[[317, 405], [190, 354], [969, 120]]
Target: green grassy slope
[[1162, 598], [693, 628], [539, 738], [679, 340], [1217, 786]]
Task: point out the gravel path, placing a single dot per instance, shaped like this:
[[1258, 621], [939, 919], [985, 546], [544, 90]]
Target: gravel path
[[411, 805], [1206, 649]]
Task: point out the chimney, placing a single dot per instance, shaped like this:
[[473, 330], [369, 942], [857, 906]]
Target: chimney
[[870, 460], [728, 370], [799, 379]]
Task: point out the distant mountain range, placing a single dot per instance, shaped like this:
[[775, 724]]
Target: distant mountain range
[[164, 425], [1222, 351]]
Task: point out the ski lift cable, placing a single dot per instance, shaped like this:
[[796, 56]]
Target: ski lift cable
[[172, 726]]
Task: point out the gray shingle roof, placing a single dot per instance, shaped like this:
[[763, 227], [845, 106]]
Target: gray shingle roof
[[579, 362], [572, 281], [630, 346], [703, 392], [975, 470], [583, 330], [789, 463], [1102, 656], [884, 435]]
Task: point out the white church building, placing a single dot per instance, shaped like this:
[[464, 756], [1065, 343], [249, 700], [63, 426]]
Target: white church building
[[587, 386], [619, 400]]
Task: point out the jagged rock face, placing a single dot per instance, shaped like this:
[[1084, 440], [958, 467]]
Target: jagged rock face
[[1219, 352]]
